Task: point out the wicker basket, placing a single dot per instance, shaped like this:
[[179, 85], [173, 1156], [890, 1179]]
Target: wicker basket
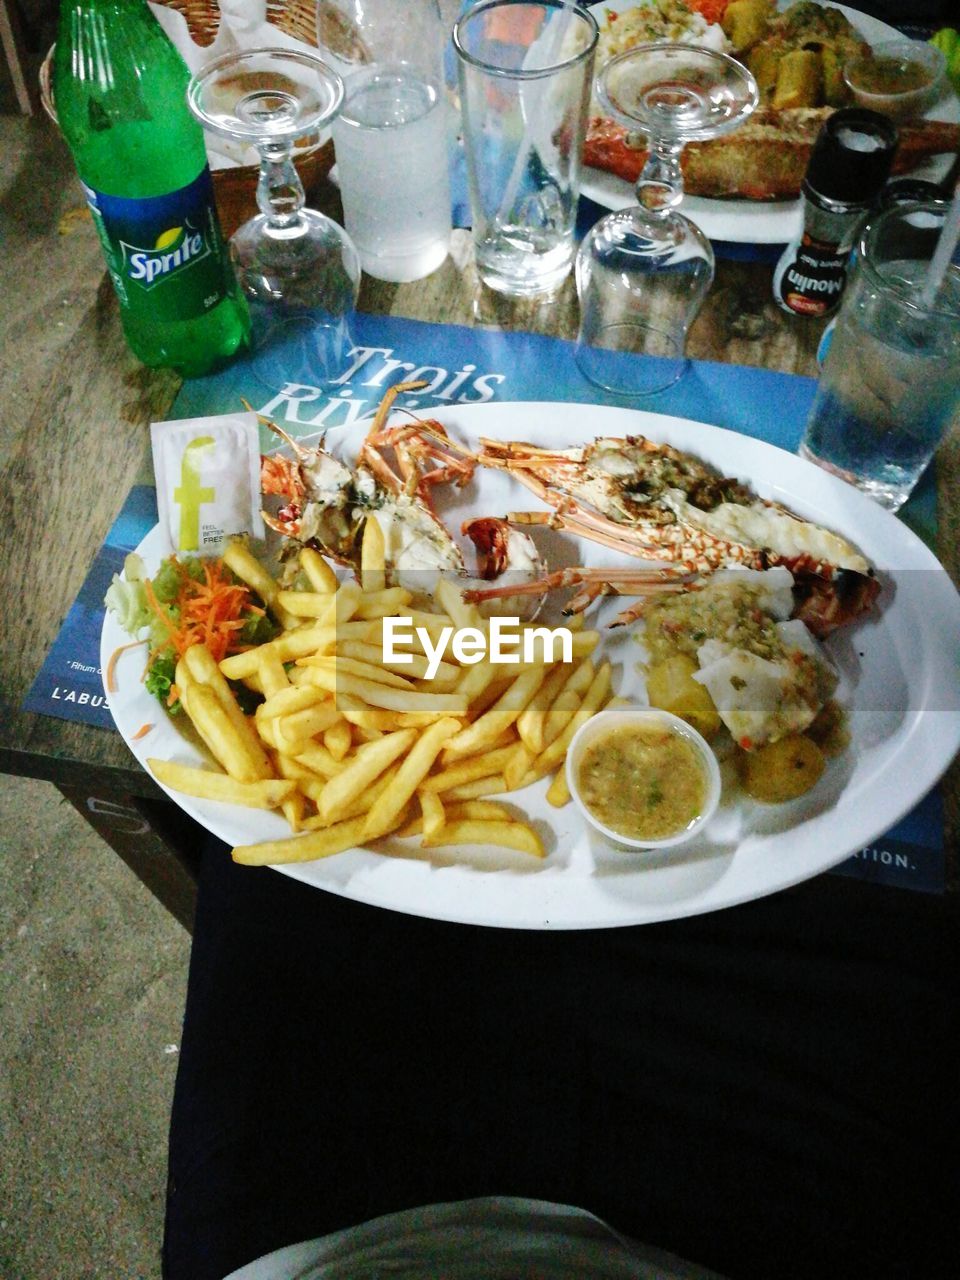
[[236, 188]]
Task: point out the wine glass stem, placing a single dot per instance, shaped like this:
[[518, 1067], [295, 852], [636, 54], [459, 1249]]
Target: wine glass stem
[[660, 185], [280, 195]]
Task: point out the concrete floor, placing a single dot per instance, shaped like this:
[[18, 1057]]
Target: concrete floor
[[92, 968], [92, 985]]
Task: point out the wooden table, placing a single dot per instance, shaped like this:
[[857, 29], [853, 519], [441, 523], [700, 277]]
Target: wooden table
[[82, 440]]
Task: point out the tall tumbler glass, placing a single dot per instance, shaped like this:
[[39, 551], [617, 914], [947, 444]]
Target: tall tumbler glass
[[525, 74], [391, 135], [890, 387]]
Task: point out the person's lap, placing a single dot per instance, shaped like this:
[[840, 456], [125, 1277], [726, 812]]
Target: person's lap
[[768, 1090]]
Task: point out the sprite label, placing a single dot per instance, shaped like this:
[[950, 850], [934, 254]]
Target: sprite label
[[165, 253]]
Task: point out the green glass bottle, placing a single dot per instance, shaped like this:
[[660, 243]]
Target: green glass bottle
[[120, 92]]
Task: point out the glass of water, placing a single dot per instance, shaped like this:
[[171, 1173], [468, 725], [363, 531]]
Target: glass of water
[[890, 387], [391, 134], [525, 73]]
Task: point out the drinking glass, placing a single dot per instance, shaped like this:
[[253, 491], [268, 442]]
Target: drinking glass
[[890, 387], [391, 135], [643, 272], [298, 268], [525, 73]]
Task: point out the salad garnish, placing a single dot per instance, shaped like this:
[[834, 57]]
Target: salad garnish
[[187, 602]]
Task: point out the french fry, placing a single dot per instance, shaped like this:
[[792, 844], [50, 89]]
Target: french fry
[[344, 604], [286, 647], [518, 766], [305, 604], [449, 597], [478, 810], [373, 549], [202, 666], [319, 574], [383, 816], [292, 698], [302, 848], [360, 805], [468, 770], [551, 757], [501, 715], [238, 558], [217, 731], [338, 739], [432, 623], [371, 632], [484, 701], [367, 733], [290, 767], [294, 808], [356, 712], [270, 670], [431, 807], [415, 719], [300, 726], [508, 835], [493, 785], [380, 695], [354, 667], [383, 604], [319, 760], [415, 668], [558, 793], [477, 679], [567, 701], [369, 762], [532, 720], [264, 793]]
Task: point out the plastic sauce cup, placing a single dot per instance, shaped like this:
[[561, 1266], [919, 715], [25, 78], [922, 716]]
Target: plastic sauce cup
[[603, 723]]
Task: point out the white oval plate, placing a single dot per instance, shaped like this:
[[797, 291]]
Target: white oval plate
[[900, 682], [756, 221]]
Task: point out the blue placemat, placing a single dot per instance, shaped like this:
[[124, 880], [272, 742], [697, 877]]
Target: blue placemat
[[469, 366]]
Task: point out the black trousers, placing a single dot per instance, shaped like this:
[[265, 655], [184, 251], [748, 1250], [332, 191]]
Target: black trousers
[[771, 1091]]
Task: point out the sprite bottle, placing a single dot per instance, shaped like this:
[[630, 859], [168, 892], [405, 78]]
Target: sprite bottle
[[120, 91]]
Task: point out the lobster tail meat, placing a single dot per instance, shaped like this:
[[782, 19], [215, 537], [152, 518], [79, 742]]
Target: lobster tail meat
[[653, 501]]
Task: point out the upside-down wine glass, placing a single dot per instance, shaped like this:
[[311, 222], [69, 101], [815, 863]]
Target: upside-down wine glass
[[298, 268], [643, 272]]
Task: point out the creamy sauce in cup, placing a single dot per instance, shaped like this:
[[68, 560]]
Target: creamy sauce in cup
[[644, 781]]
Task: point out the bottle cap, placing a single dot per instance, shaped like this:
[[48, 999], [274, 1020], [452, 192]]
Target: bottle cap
[[852, 156]]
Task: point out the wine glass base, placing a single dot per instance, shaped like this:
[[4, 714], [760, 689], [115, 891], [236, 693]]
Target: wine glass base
[[632, 360], [302, 284], [641, 278], [297, 347]]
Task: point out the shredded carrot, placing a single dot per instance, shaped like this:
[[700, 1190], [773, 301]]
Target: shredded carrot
[[141, 732], [712, 10], [210, 611], [109, 680]]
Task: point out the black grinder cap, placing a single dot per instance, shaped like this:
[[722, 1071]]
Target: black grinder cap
[[844, 171]]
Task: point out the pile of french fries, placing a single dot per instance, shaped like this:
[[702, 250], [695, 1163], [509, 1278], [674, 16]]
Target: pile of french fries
[[351, 748]]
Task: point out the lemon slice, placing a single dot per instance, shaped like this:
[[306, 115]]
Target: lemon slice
[[167, 238]]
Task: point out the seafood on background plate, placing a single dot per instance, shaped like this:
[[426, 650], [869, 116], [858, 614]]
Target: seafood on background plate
[[797, 58], [765, 159]]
